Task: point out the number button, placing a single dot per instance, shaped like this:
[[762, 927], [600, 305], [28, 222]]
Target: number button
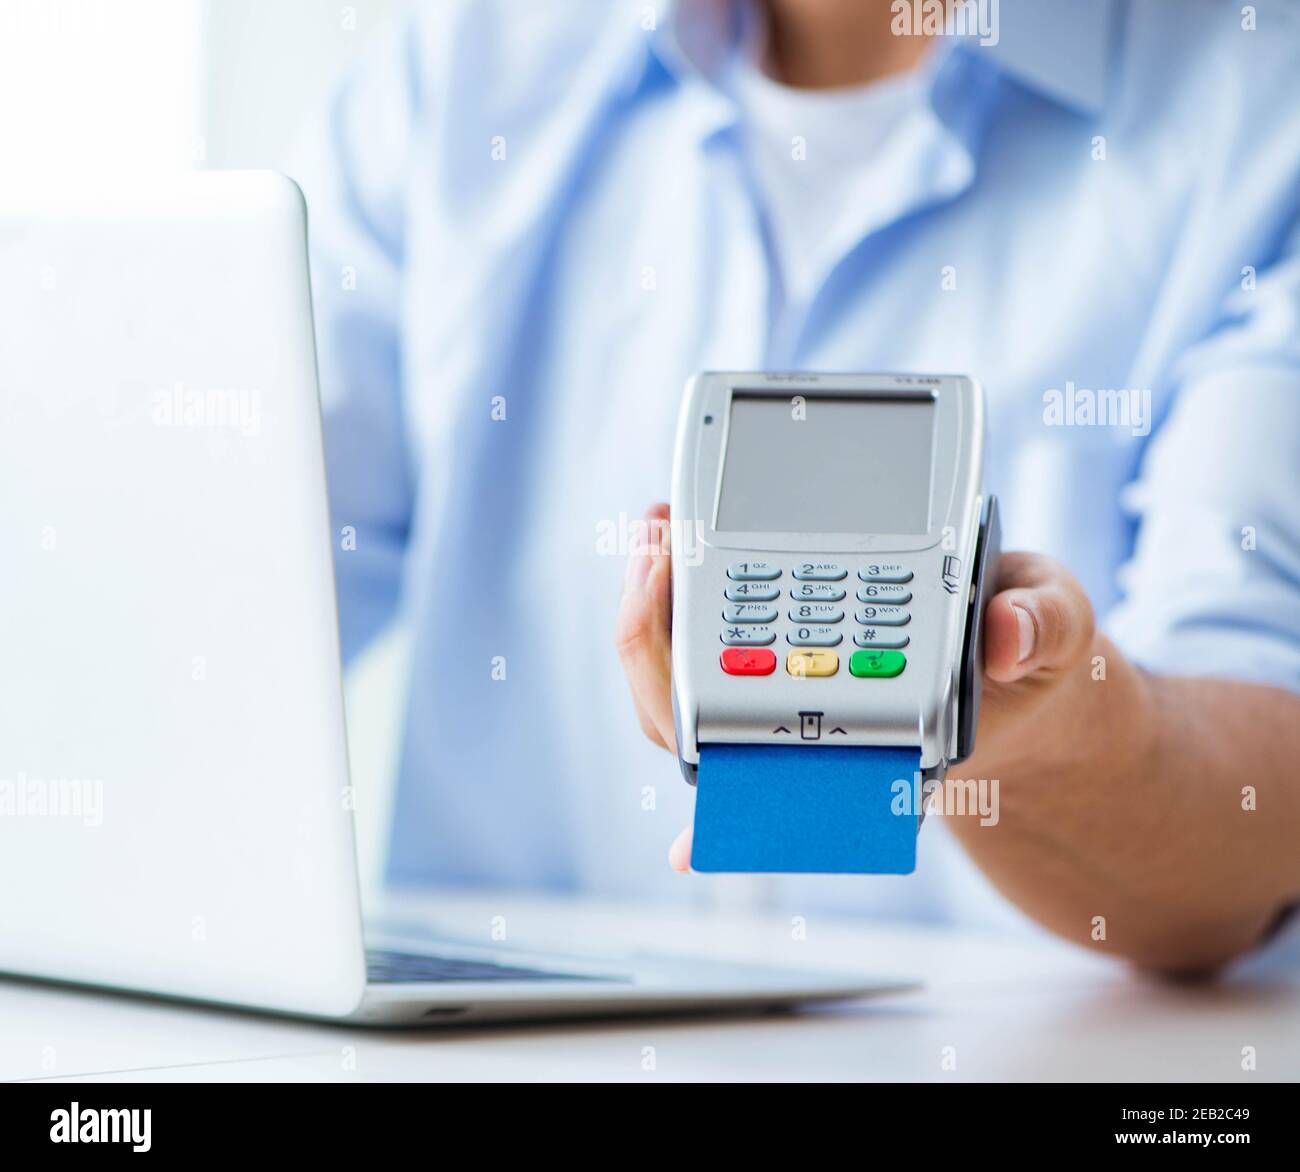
[[820, 572], [885, 595], [812, 593], [749, 612], [742, 661], [753, 592], [753, 571], [738, 636], [878, 637], [884, 616], [816, 612], [814, 637], [885, 572]]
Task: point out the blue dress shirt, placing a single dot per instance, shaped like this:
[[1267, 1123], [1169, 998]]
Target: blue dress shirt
[[530, 224]]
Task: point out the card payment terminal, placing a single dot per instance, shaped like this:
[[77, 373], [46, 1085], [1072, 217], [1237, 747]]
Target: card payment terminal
[[832, 553]]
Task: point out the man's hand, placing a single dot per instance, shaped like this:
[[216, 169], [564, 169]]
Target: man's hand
[[1099, 832], [1038, 628]]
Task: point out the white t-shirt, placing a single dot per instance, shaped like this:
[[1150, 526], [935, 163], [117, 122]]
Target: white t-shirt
[[814, 157]]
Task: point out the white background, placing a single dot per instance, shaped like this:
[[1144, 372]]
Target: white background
[[100, 87]]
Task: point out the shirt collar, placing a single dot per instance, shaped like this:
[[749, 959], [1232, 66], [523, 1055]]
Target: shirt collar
[[696, 37], [1061, 48], [694, 42]]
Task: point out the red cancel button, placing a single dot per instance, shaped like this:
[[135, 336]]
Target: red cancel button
[[748, 661]]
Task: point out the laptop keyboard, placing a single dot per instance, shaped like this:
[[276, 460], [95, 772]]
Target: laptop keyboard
[[399, 968]]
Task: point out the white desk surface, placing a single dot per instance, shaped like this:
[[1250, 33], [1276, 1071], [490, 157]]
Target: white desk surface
[[1010, 1009]]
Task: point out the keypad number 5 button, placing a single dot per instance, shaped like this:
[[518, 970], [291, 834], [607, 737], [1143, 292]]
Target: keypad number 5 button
[[817, 592]]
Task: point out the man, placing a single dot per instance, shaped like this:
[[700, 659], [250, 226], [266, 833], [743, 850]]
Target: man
[[532, 222]]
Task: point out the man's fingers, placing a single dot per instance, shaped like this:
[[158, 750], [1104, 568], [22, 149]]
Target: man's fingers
[[679, 854], [1039, 620], [644, 638], [644, 631]]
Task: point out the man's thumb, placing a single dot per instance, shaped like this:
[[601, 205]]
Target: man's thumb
[[1041, 620]]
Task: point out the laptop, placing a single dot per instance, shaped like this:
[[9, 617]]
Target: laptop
[[175, 806]]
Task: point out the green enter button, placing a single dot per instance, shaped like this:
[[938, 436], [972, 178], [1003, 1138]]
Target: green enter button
[[882, 664]]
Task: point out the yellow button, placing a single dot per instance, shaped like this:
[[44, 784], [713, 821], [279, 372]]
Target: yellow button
[[812, 663]]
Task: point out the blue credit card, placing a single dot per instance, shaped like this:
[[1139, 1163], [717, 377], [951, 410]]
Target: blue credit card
[[806, 809]]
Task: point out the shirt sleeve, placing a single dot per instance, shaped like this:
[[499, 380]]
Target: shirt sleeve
[[1213, 586], [351, 166]]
